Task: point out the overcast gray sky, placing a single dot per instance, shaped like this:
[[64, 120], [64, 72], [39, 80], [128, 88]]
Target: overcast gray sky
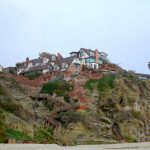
[[120, 28]]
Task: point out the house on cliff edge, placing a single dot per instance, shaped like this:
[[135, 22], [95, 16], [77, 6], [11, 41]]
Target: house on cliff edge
[[47, 63], [1, 68], [91, 58]]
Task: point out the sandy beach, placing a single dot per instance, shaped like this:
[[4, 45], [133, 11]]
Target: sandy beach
[[128, 146]]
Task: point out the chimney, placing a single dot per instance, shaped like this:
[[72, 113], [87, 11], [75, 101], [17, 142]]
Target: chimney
[[27, 59], [59, 56], [97, 55]]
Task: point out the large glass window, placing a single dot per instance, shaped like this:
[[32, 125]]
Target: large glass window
[[90, 60]]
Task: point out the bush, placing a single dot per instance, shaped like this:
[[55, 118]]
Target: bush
[[3, 136], [32, 75], [49, 105], [58, 87], [106, 82], [19, 64], [91, 84], [69, 116], [131, 139], [14, 134], [42, 135]]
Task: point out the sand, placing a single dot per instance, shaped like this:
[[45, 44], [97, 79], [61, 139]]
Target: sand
[[125, 146]]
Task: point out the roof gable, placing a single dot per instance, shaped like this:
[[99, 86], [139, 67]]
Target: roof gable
[[69, 60], [86, 50]]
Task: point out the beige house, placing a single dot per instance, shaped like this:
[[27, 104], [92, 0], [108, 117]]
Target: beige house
[[71, 64], [1, 68]]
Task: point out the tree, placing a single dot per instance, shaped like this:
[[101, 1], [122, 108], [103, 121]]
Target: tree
[[43, 54], [149, 65], [19, 64]]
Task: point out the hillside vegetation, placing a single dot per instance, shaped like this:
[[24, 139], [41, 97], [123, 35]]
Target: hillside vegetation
[[119, 110], [21, 118]]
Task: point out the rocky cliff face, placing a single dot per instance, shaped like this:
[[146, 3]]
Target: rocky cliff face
[[116, 109]]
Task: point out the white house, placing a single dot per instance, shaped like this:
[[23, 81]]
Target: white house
[[1, 68], [91, 58]]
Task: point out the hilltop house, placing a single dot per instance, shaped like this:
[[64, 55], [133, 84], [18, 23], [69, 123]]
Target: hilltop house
[[47, 62], [1, 68], [71, 65], [143, 76], [92, 59], [10, 70]]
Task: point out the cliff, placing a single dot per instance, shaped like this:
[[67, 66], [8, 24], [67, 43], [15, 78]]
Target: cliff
[[90, 108]]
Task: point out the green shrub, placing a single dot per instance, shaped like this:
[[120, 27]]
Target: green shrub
[[14, 134], [32, 75], [3, 136], [58, 87], [106, 82], [42, 135], [130, 138], [90, 84], [59, 78]]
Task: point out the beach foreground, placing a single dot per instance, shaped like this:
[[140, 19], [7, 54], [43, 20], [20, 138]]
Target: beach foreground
[[134, 146]]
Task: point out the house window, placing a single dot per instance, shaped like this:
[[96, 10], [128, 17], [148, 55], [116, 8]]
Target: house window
[[100, 62], [82, 61], [64, 66], [87, 60], [56, 68], [45, 60], [91, 53], [53, 58], [95, 66], [77, 66], [90, 60], [103, 56], [81, 53]]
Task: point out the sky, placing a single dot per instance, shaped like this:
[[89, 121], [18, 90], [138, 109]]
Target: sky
[[121, 28]]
